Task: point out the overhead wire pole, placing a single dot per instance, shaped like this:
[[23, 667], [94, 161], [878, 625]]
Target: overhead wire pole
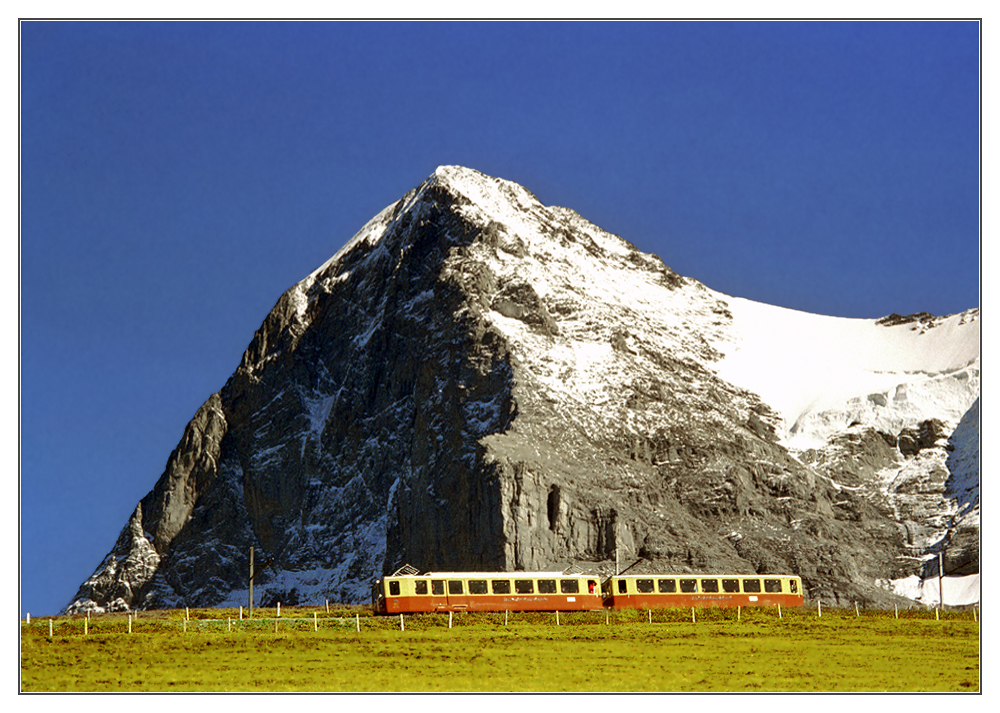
[[253, 573], [250, 580], [940, 581]]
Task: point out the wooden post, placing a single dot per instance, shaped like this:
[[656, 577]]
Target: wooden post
[[279, 609], [250, 602], [85, 622], [50, 626], [327, 606], [449, 619], [187, 613], [229, 623], [819, 607], [315, 622], [557, 617], [692, 615], [505, 613], [28, 620], [856, 612], [779, 611], [130, 623], [895, 608], [357, 621], [739, 612], [401, 627]]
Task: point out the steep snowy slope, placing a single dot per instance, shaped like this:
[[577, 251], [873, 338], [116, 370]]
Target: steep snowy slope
[[823, 374]]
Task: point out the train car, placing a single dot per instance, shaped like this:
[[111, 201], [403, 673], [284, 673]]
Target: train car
[[702, 590], [486, 591]]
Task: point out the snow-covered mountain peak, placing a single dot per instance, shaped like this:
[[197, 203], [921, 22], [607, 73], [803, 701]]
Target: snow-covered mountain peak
[[478, 381]]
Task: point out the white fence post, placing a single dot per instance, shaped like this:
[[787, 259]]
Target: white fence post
[[357, 621]]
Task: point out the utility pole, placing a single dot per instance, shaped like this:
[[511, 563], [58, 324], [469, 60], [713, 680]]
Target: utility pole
[[253, 573], [940, 580]]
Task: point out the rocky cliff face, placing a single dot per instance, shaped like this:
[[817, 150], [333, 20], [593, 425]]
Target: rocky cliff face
[[476, 381]]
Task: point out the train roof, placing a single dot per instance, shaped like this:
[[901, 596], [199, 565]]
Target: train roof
[[701, 574], [471, 575]]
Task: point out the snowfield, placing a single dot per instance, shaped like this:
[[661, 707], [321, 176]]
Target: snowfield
[[824, 373]]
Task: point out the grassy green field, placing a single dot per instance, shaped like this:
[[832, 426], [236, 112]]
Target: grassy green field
[[215, 651]]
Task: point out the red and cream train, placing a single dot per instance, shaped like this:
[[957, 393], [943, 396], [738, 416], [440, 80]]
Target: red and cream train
[[555, 591]]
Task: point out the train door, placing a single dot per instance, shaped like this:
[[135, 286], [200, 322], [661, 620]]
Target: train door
[[438, 598], [458, 598]]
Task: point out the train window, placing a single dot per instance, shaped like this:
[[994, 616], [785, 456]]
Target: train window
[[689, 585], [622, 586], [794, 586], [667, 586], [751, 585], [477, 586], [393, 589], [546, 586], [709, 585], [501, 586], [772, 585], [454, 586], [730, 585], [644, 586], [437, 586], [569, 586], [420, 586], [524, 586]]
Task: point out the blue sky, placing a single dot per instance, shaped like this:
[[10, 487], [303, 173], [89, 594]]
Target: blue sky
[[177, 177]]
